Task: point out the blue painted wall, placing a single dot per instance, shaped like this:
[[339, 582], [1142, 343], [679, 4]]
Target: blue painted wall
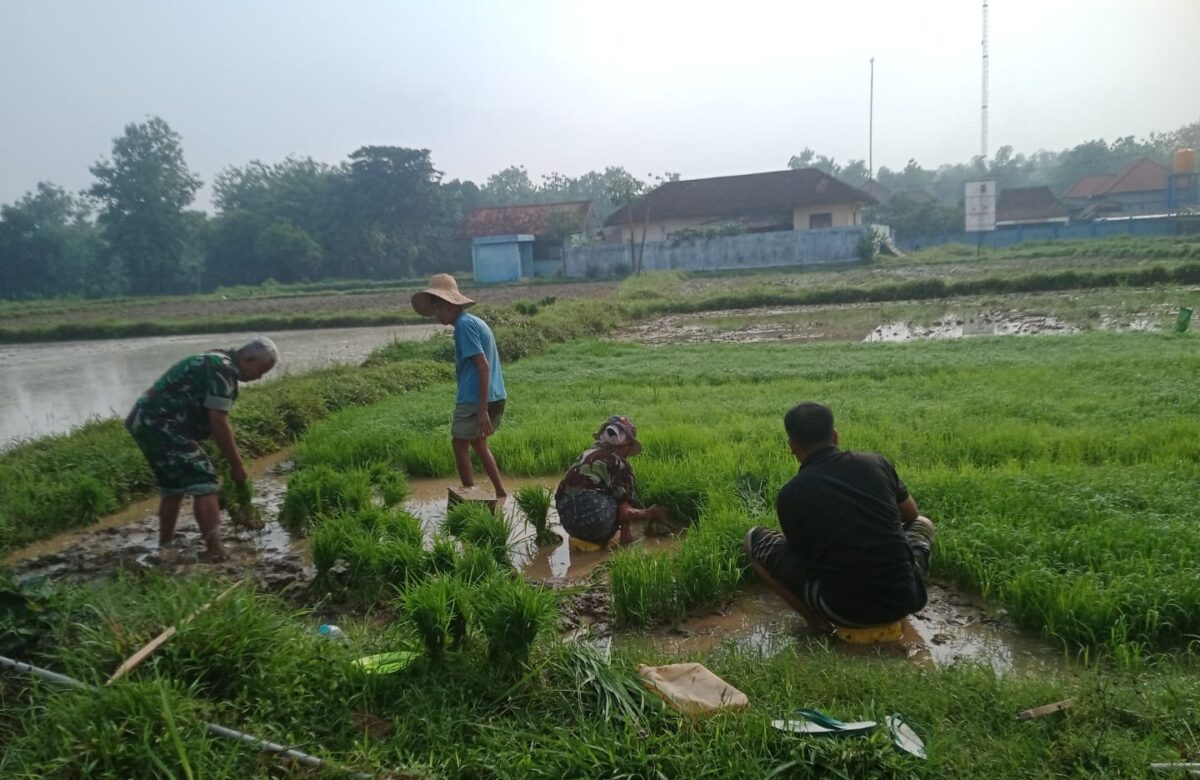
[[1010, 236]]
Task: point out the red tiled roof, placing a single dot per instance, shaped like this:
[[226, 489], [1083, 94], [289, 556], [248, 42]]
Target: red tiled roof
[[535, 219], [1145, 175], [746, 195], [1142, 175], [1089, 186], [1027, 204]]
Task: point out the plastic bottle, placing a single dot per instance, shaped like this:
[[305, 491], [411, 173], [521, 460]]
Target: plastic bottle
[[332, 632]]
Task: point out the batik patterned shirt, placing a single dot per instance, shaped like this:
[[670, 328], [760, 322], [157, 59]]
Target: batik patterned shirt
[[181, 399], [603, 470]]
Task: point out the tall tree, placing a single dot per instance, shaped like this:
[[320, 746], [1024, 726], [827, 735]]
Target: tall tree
[[48, 247], [401, 213], [143, 191]]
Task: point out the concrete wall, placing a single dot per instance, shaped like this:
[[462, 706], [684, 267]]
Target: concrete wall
[[750, 250], [1016, 235], [843, 215]]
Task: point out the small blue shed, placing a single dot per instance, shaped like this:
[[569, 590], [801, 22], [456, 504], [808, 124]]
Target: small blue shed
[[511, 243], [502, 258]]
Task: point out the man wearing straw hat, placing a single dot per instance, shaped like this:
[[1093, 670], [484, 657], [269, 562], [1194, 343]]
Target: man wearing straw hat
[[479, 406]]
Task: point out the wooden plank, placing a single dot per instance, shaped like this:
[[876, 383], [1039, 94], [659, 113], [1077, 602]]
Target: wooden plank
[[132, 661], [459, 495], [1045, 709]]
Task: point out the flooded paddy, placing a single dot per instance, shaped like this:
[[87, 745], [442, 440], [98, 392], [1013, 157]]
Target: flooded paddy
[[53, 387], [954, 626], [1014, 315]]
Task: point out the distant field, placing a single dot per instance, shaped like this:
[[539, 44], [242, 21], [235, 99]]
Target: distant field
[[251, 309]]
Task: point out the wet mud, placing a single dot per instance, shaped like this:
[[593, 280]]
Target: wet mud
[[853, 322], [953, 626]]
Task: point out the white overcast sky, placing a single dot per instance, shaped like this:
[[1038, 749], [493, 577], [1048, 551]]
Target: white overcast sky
[[702, 88]]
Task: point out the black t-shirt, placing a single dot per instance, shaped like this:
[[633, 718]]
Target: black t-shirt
[[841, 514]]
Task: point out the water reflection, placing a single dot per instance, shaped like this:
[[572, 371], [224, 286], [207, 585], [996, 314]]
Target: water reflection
[[51, 388]]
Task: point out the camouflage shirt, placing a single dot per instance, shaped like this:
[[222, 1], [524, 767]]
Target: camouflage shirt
[[600, 469], [182, 397]]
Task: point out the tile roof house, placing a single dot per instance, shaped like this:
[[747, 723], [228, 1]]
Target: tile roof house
[[510, 243], [802, 199], [1029, 206], [1138, 189]]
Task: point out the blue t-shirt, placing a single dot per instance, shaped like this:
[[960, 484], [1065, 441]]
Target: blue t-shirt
[[472, 337]]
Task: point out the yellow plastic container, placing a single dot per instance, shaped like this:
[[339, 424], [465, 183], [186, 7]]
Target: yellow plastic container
[[871, 635]]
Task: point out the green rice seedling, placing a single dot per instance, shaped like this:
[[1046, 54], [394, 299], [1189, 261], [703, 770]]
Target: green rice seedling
[[475, 565], [437, 608], [461, 514], [490, 532], [392, 483], [442, 556], [512, 613], [399, 563], [394, 525], [643, 587], [534, 502], [330, 542], [321, 490]]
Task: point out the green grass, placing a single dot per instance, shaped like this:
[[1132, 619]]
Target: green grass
[[1060, 470], [257, 665]]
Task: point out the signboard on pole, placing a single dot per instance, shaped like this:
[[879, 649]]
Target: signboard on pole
[[981, 206]]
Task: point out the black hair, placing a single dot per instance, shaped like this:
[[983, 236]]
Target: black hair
[[809, 424]]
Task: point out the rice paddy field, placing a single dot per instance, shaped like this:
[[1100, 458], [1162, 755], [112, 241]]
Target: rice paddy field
[[1061, 471]]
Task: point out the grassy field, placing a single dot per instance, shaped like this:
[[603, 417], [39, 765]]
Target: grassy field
[[1060, 469], [255, 663], [264, 308], [934, 273]]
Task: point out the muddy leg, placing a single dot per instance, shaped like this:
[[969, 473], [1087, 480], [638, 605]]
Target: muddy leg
[[811, 616], [208, 517], [489, 464], [168, 514], [462, 459]]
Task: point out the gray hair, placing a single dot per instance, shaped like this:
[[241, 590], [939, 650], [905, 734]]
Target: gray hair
[[260, 346]]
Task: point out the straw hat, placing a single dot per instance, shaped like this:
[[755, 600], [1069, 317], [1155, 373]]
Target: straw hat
[[440, 286]]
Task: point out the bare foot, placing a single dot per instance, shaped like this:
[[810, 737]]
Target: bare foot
[[214, 555]]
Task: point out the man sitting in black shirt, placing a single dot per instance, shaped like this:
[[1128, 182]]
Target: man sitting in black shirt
[[853, 552]]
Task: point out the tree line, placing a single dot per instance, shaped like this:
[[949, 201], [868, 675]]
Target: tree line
[[385, 212]]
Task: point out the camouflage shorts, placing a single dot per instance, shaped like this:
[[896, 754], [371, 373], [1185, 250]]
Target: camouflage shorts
[[179, 464]]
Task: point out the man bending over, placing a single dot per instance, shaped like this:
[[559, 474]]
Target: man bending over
[[853, 552], [185, 406]]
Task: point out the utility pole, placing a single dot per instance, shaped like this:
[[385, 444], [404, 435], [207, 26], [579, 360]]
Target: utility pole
[[983, 125], [871, 128]]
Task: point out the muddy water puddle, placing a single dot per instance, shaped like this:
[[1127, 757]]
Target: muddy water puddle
[[275, 557], [988, 323], [952, 627]]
